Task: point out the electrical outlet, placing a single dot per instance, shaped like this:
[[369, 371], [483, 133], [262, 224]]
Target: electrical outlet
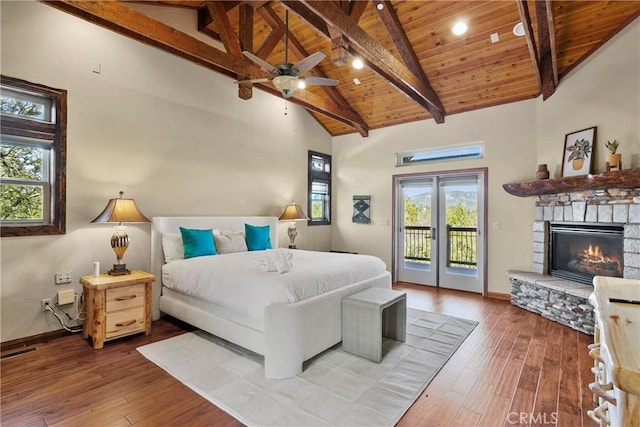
[[65, 297], [63, 277], [44, 303]]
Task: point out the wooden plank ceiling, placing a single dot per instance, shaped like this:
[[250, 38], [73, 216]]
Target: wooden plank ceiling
[[415, 67]]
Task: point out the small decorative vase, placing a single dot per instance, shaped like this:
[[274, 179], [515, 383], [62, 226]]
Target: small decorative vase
[[543, 172]]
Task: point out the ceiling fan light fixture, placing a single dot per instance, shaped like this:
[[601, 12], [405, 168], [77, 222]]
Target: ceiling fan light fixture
[[301, 83], [286, 85]]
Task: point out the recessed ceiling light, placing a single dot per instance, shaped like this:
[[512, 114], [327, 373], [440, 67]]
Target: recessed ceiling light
[[459, 28], [518, 29], [357, 63], [379, 6]]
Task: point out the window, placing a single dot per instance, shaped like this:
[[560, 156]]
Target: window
[[32, 158], [474, 150], [319, 207]]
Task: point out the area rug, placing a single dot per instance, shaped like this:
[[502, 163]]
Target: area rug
[[335, 388]]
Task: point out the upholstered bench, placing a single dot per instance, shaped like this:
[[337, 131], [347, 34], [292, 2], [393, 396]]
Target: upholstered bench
[[369, 315]]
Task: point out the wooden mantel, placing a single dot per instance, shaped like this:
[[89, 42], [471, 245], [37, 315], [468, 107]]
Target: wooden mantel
[[626, 178]]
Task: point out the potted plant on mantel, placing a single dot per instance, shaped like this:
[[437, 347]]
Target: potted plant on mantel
[[615, 159]]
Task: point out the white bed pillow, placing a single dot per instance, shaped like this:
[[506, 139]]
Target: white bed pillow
[[228, 242], [173, 247]]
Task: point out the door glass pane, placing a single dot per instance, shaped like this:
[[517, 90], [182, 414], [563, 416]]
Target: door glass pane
[[417, 224], [461, 202]]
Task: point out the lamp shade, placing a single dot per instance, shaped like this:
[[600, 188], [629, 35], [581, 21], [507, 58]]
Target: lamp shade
[[293, 212], [121, 210]]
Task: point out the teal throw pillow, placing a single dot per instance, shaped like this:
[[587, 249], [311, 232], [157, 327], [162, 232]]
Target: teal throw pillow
[[197, 242], [257, 237]]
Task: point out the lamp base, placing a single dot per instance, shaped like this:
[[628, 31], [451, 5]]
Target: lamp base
[[119, 270], [292, 246]]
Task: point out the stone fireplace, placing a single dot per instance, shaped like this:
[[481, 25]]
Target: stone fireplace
[[559, 286], [609, 208], [580, 251]]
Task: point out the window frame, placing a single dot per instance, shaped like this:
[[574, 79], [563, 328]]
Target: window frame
[[56, 131], [319, 176], [441, 154]]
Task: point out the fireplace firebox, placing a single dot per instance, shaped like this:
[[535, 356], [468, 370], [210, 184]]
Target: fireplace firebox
[[580, 251]]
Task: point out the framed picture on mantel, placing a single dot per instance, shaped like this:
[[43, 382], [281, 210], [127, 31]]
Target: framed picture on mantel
[[577, 158]]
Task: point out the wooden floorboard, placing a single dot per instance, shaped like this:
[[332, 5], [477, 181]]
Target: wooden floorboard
[[516, 368]]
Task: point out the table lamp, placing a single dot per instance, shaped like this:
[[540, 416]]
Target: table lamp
[[120, 210], [293, 213]]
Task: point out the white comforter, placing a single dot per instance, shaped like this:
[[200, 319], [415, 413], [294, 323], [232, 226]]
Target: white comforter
[[234, 280]]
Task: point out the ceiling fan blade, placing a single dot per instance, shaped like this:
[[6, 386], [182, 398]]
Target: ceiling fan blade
[[319, 81], [263, 80], [307, 63], [262, 63]]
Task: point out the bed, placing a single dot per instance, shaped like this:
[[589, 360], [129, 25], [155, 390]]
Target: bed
[[286, 332]]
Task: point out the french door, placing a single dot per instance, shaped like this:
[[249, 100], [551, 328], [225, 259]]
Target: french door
[[439, 230]]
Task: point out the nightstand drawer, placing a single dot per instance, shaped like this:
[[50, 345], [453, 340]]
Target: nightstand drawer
[[123, 298], [124, 322]]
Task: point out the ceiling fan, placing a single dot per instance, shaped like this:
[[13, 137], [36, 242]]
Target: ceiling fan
[[286, 76]]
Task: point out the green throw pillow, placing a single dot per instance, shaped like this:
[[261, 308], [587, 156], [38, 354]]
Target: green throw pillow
[[197, 242]]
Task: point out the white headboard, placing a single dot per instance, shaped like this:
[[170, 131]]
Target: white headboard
[[163, 225]]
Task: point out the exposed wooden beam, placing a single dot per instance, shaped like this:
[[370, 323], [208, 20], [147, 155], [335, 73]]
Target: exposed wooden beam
[[378, 57], [270, 16], [255, 4], [339, 48], [552, 41], [269, 43], [246, 27], [230, 41], [303, 12], [225, 30], [525, 18], [245, 35], [394, 27], [357, 9], [548, 78], [129, 22], [542, 51]]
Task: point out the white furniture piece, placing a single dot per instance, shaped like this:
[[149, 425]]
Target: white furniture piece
[[616, 352], [292, 332], [369, 315]]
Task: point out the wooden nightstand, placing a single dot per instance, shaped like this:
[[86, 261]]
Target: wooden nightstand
[[116, 306]]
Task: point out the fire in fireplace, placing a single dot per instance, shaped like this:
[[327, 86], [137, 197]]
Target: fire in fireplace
[[579, 251]]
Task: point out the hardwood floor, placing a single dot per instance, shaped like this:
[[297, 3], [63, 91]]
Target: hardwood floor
[[516, 368]]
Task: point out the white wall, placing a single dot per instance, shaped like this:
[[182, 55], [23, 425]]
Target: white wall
[[173, 135], [366, 166], [603, 91]]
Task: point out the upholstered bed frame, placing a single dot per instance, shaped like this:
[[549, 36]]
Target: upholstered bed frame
[[293, 332]]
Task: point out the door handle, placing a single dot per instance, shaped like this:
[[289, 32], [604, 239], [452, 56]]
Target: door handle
[[434, 232]]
